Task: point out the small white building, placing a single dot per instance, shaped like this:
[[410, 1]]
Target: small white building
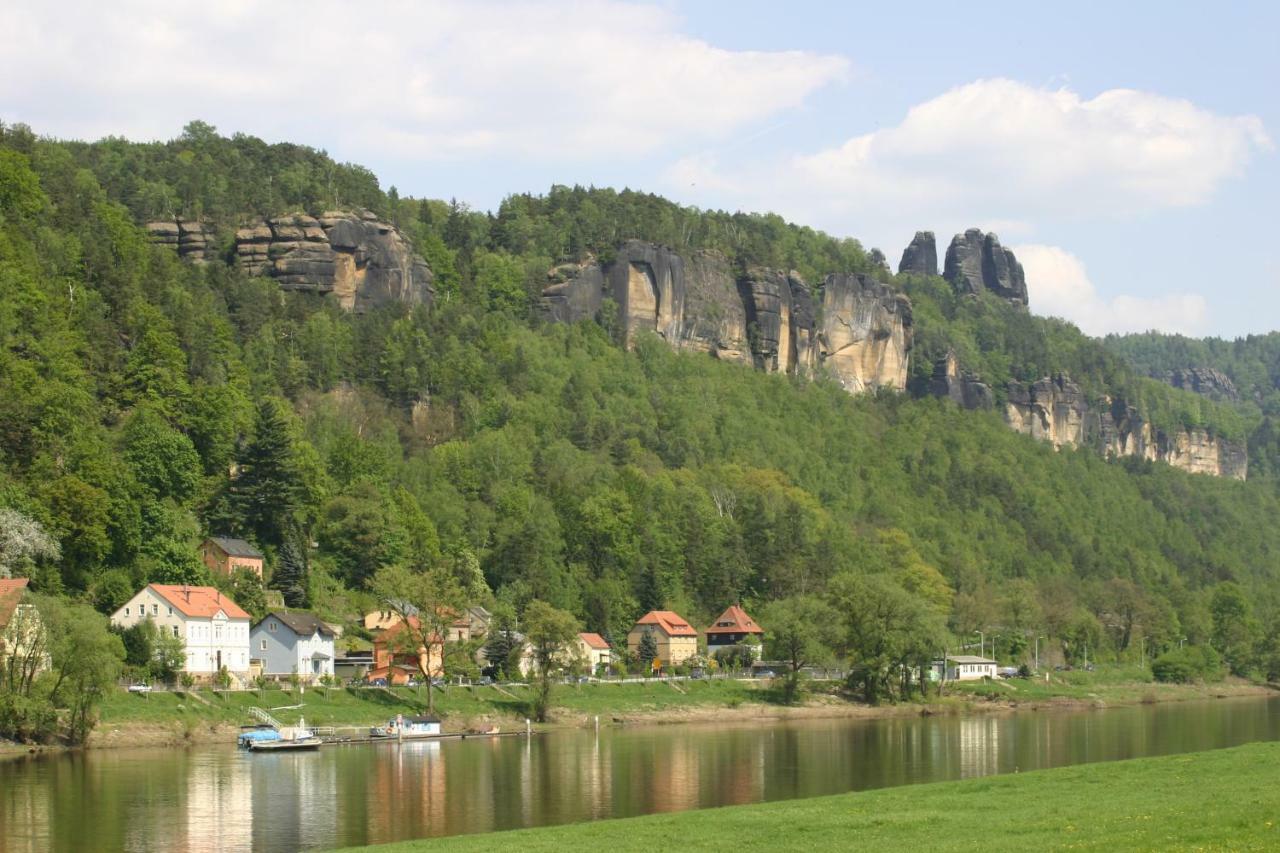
[[213, 628], [293, 642], [965, 668]]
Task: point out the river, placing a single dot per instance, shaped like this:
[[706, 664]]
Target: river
[[217, 798]]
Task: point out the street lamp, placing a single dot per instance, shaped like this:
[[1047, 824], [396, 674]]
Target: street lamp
[[982, 643], [1038, 639], [1142, 651]]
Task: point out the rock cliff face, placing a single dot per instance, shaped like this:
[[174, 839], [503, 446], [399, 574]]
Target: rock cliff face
[[961, 388], [356, 257], [861, 335], [361, 260], [976, 262], [921, 256], [1202, 380], [1056, 410], [186, 236]]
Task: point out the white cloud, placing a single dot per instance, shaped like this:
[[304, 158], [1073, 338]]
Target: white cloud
[[1059, 286], [548, 79], [997, 150]]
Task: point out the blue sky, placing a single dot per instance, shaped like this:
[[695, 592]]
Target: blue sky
[[1127, 154]]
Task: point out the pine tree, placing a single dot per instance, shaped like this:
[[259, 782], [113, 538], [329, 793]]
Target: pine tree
[[291, 574], [266, 492], [647, 653]]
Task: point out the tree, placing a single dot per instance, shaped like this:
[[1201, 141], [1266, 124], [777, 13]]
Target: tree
[[427, 603], [290, 576], [1234, 628], [23, 541], [168, 656], [802, 630], [647, 652], [503, 648], [86, 660], [266, 492], [552, 636]]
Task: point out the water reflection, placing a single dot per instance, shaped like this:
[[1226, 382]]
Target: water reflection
[[221, 799]]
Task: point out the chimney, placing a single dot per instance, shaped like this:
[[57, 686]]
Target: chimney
[[186, 593]]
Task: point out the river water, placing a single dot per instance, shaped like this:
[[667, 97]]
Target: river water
[[217, 798]]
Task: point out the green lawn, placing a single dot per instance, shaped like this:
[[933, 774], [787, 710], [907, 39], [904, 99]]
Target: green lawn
[[1221, 800], [360, 706]]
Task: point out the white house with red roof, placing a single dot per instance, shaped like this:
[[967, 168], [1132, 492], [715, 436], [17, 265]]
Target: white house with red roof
[[214, 629], [677, 640], [735, 628], [595, 651]]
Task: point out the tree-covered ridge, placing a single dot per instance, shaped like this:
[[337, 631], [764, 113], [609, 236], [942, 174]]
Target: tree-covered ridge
[[145, 403]]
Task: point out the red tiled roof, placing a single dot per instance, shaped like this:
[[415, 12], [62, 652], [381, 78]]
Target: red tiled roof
[[738, 623], [198, 601], [11, 590], [672, 624], [594, 641]]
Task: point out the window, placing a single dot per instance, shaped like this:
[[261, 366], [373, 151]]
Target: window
[[155, 610], [126, 611], [271, 626], [175, 630], [170, 611], [263, 645]]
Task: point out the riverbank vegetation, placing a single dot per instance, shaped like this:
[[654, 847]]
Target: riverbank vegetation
[[145, 403], [1218, 800]]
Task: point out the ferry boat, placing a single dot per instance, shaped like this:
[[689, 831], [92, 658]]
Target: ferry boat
[[407, 728], [286, 738]]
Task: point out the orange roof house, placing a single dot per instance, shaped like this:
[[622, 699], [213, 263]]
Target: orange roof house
[[676, 639], [595, 651], [733, 628], [213, 628]]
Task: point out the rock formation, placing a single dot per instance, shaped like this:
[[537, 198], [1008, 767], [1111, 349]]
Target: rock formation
[[763, 317], [1056, 410], [961, 388], [358, 258], [921, 255], [1202, 380], [976, 262], [361, 260], [186, 236]]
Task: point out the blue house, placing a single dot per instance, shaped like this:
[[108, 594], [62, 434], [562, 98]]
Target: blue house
[[292, 641]]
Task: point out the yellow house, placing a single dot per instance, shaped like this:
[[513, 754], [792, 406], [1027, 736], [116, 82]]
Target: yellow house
[[676, 639]]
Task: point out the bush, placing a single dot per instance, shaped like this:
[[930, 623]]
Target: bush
[[1188, 664]]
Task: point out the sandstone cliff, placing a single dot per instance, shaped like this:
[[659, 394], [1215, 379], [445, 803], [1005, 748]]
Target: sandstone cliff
[[976, 262], [359, 259], [1202, 380], [860, 336], [921, 255], [1056, 410], [961, 388]]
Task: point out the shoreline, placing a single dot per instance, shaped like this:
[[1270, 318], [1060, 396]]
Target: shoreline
[[129, 735]]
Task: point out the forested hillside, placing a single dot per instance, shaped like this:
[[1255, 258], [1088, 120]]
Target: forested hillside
[[145, 403]]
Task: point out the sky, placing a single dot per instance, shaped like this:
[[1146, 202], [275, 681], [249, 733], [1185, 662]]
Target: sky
[[1127, 152]]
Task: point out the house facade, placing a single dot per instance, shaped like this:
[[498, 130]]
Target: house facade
[[965, 668], [213, 628], [289, 642], [734, 628], [21, 629], [676, 639], [224, 554], [596, 652]]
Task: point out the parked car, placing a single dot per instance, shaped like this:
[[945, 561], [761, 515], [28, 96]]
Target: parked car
[[140, 688], [1007, 671], [766, 673], [376, 682]]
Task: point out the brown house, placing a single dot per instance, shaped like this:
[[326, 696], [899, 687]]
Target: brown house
[[676, 639], [734, 628], [223, 555]]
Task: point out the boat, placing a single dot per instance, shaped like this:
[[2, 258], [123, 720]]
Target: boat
[[407, 728], [287, 738]]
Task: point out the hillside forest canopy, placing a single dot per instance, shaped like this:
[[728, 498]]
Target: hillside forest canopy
[[146, 403]]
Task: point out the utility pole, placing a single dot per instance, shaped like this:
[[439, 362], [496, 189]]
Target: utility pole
[[1038, 639], [1142, 651], [982, 643]]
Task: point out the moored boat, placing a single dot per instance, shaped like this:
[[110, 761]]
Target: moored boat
[[407, 728]]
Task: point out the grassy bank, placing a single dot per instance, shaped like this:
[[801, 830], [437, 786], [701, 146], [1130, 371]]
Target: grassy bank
[[129, 719], [1221, 800]]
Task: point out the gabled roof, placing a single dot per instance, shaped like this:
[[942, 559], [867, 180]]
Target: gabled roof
[[594, 641], [11, 590], [235, 547], [198, 601], [969, 659], [672, 624], [735, 621], [299, 622]]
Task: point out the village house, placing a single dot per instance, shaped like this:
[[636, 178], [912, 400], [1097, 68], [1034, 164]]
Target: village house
[[735, 629], [21, 630], [965, 668], [596, 652], [395, 660], [676, 639], [223, 555], [288, 642], [213, 628], [460, 629]]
